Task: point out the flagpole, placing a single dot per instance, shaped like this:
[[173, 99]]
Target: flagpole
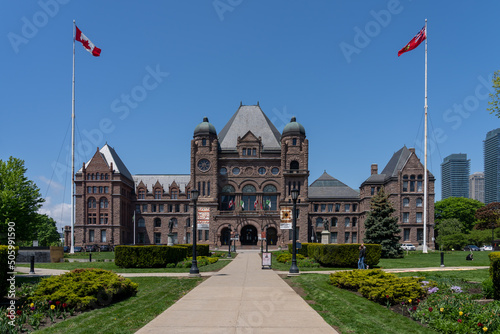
[[72, 249], [134, 226], [424, 248]]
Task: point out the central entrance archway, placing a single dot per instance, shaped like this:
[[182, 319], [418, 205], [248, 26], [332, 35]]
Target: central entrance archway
[[248, 235]]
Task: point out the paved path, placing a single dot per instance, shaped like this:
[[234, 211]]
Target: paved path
[[241, 298]]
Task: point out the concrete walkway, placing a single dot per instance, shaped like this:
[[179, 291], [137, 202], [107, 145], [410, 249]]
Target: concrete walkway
[[241, 298]]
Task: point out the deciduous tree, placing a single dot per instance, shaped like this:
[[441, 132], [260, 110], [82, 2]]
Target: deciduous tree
[[463, 209]]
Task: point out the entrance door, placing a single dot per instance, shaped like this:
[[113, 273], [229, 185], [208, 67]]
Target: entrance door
[[224, 236], [272, 236], [248, 235]]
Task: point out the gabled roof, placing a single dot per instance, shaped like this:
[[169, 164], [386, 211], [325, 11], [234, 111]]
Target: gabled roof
[[326, 186], [110, 156], [165, 180], [397, 162], [249, 118]]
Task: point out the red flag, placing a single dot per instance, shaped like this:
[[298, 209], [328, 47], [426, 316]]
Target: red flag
[[231, 204], [419, 38], [87, 44]]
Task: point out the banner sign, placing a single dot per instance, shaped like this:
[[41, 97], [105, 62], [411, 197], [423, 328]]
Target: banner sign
[[286, 226], [203, 218], [286, 215], [266, 259]]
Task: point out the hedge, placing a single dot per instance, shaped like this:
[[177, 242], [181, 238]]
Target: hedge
[[201, 249], [495, 273], [149, 256], [5, 267], [303, 250], [343, 255]]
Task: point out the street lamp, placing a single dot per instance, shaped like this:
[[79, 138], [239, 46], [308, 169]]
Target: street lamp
[[229, 243], [294, 269], [194, 271]]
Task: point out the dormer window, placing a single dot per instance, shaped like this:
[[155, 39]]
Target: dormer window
[[294, 141], [204, 142]]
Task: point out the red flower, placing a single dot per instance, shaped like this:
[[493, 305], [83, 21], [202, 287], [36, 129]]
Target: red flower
[[64, 305], [19, 312], [387, 296], [58, 302], [418, 300], [414, 308], [459, 320], [480, 324], [430, 309]]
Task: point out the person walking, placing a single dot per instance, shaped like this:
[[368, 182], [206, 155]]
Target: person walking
[[362, 255]]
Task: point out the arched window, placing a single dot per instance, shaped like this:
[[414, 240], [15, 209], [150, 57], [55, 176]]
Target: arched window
[[157, 222], [269, 200], [228, 189], [406, 202], [319, 222], [203, 142], [141, 223], [91, 203], [347, 222], [97, 176], [249, 198], [334, 222], [104, 203], [419, 202], [354, 221], [227, 198], [294, 164]]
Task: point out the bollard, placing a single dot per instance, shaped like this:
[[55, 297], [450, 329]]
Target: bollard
[[90, 257], [442, 259], [32, 265]]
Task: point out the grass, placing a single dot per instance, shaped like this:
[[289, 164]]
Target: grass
[[95, 255], [350, 313], [112, 266], [478, 275], [155, 295], [418, 259]]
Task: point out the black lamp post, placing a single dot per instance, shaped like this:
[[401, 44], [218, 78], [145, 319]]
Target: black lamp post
[[194, 271], [294, 269], [229, 243]]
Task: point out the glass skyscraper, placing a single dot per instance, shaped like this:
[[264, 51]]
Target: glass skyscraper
[[492, 167], [455, 171]]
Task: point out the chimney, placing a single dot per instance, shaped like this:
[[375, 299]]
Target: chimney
[[374, 169], [412, 150]]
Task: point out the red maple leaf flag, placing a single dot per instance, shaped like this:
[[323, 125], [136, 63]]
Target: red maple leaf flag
[[87, 44], [419, 38]]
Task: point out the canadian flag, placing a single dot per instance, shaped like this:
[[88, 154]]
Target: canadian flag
[[231, 204], [87, 44]]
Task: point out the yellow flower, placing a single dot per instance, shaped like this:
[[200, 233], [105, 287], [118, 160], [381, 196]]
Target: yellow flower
[[32, 305], [441, 309], [485, 329], [409, 301], [52, 306], [460, 313]]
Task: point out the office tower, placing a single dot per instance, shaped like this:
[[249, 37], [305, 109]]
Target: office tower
[[455, 171], [476, 186], [492, 167]]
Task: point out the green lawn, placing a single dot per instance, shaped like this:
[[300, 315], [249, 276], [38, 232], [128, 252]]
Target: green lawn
[[95, 255], [111, 266], [155, 295], [467, 275], [350, 313], [417, 259]]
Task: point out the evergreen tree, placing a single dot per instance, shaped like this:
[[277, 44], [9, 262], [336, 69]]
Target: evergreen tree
[[381, 227]]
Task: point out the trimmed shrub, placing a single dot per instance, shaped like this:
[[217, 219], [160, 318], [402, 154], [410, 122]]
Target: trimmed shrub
[[495, 273], [85, 288], [303, 250], [287, 257], [148, 256], [378, 286], [343, 255], [201, 261], [201, 249], [6, 267]]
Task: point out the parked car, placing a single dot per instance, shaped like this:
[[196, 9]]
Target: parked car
[[105, 248], [91, 248], [471, 248], [486, 248], [66, 249], [408, 247], [78, 249]]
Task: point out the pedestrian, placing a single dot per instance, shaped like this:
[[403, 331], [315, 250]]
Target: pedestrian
[[362, 255]]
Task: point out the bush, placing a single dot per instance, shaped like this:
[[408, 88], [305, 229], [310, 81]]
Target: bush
[[304, 250], [201, 249], [148, 256], [495, 273], [201, 261], [85, 288], [343, 255], [287, 257], [5, 267], [378, 286]]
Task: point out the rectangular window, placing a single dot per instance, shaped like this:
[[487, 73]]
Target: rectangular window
[[200, 234], [106, 189], [337, 207], [186, 207], [208, 188], [204, 184], [347, 207], [372, 191], [206, 234], [254, 151], [294, 141], [157, 238], [330, 207], [354, 237], [419, 202], [419, 217], [405, 186], [406, 217], [323, 207], [91, 235], [160, 208], [412, 185], [406, 236], [419, 186], [140, 238], [347, 222], [144, 208], [138, 208], [333, 238], [316, 207], [103, 235], [249, 151], [290, 233], [89, 190], [354, 207], [420, 234], [346, 239], [406, 202], [188, 237], [177, 208], [244, 151], [170, 208], [153, 207]]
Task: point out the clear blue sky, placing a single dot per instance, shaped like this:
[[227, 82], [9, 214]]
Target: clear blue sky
[[332, 64]]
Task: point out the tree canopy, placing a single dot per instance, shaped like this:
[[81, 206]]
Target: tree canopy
[[19, 200], [381, 227], [463, 209], [495, 98], [46, 231], [488, 216]]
